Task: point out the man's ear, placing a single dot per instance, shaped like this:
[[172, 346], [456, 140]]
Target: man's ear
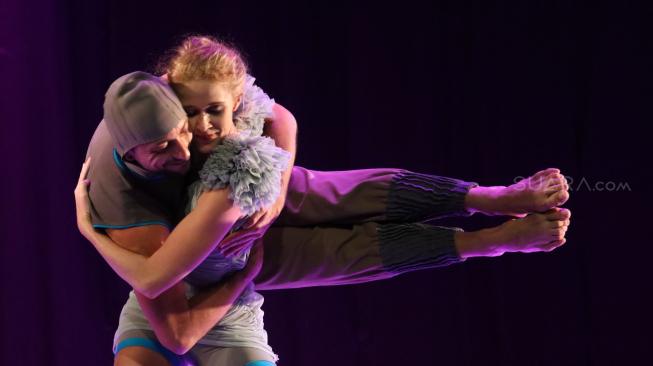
[[129, 156], [239, 99]]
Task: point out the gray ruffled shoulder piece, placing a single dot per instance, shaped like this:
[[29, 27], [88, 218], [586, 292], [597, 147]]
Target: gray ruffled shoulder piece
[[250, 165], [254, 108]]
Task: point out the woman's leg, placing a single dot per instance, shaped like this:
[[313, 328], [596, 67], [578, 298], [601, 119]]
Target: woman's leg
[[232, 356], [380, 195], [400, 196], [325, 256]]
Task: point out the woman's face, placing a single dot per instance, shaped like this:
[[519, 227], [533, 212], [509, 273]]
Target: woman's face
[[209, 106]]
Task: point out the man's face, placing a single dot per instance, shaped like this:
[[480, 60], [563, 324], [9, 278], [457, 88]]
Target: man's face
[[168, 154]]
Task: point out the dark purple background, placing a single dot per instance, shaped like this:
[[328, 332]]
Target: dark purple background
[[479, 90]]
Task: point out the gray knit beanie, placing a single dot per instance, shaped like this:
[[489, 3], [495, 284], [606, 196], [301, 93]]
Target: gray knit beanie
[[140, 108]]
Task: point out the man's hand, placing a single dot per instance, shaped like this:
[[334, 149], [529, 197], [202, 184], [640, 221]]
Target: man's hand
[[265, 217], [240, 240], [255, 261]]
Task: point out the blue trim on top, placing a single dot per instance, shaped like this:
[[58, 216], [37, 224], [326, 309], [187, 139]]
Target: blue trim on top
[[174, 359], [125, 169], [136, 224], [260, 363]]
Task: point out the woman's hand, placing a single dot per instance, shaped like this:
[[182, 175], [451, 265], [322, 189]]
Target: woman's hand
[[84, 223], [266, 216]]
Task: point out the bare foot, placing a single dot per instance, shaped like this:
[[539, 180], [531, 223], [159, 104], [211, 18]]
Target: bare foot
[[535, 232], [539, 232], [538, 193]]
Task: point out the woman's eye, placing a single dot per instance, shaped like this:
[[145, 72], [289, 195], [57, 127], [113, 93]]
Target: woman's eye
[[214, 111]]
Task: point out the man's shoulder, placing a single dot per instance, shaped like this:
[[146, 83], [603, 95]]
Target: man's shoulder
[[103, 171], [100, 142], [117, 200]]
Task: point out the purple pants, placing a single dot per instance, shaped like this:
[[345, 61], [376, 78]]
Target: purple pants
[[347, 227]]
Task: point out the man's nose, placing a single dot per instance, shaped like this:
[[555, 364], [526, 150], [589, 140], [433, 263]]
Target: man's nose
[[182, 152]]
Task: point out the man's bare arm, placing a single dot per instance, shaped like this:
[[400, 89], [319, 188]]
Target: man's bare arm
[[179, 322]]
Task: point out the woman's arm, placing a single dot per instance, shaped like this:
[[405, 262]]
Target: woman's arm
[[188, 244], [282, 128]]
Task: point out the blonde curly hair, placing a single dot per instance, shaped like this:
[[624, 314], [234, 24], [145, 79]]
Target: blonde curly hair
[[201, 57]]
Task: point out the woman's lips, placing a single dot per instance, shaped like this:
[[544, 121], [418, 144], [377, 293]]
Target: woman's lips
[[205, 139]]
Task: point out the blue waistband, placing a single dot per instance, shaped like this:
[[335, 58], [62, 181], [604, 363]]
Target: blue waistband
[[173, 358]]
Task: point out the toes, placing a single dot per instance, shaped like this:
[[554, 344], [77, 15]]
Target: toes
[[545, 172], [553, 245], [553, 189], [557, 234], [555, 183], [561, 230], [555, 179], [566, 183], [559, 198], [566, 213], [555, 224], [557, 213]]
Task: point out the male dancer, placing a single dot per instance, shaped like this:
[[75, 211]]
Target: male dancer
[[140, 151]]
